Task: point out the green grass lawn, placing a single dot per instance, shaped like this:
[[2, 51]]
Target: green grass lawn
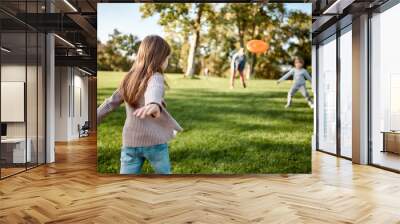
[[226, 131]]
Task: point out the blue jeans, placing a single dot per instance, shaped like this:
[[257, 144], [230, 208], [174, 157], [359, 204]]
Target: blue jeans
[[132, 159]]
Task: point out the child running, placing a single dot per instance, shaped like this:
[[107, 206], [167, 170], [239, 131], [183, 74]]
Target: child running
[[148, 125], [299, 81]]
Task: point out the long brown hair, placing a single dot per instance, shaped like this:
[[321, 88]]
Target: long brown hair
[[152, 53]]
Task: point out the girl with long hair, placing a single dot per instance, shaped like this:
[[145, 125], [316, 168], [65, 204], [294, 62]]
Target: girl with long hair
[[148, 126]]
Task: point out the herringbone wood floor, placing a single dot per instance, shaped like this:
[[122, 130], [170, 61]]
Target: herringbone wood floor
[[70, 191]]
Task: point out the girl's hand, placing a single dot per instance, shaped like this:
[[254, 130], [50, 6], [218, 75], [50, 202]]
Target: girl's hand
[[148, 110]]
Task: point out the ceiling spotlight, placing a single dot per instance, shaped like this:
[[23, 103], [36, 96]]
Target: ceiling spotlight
[[337, 7], [64, 40], [5, 50], [79, 51], [70, 5], [84, 71]]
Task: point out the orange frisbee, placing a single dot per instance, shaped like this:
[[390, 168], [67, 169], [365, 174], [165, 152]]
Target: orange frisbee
[[257, 46]]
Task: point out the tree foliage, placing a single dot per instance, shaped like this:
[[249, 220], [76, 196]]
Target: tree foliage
[[118, 52], [207, 35], [188, 19]]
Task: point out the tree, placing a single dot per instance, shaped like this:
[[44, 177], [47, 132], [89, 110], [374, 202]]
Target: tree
[[118, 52], [298, 26], [175, 56], [188, 18], [254, 21], [205, 35]]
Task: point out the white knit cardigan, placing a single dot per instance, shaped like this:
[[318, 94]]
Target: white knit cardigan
[[149, 131]]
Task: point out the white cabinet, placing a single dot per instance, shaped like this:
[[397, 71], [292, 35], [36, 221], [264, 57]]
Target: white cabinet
[[16, 146]]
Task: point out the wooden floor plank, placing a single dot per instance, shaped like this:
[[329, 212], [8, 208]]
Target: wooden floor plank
[[70, 191]]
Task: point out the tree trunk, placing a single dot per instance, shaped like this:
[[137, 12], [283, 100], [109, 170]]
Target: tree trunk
[[193, 44], [252, 66], [254, 35], [240, 33], [192, 55], [241, 40]]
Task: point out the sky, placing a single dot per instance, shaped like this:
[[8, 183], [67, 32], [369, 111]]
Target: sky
[[126, 17]]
